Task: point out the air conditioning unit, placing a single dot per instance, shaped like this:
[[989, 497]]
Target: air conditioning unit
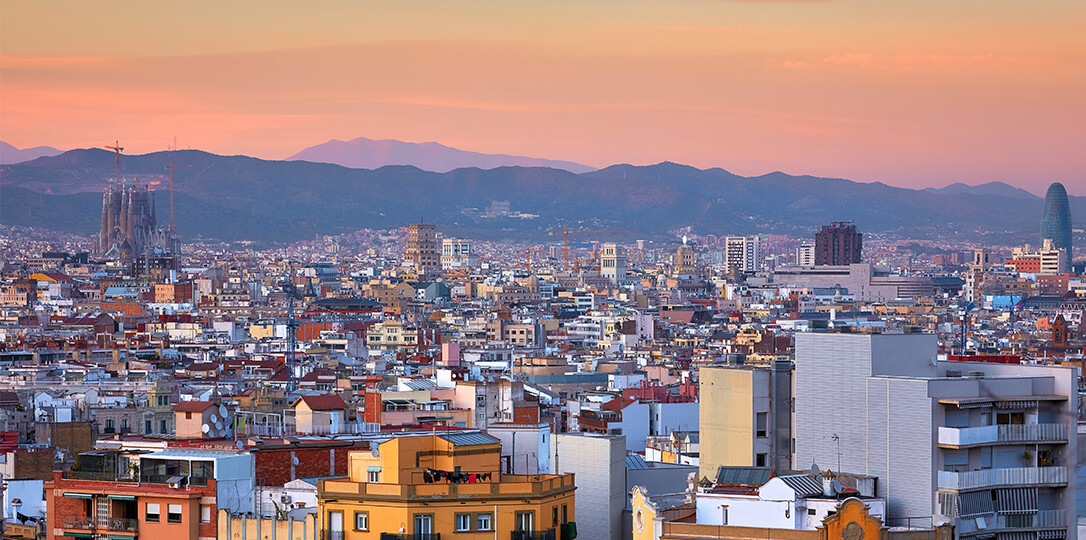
[[285, 499]]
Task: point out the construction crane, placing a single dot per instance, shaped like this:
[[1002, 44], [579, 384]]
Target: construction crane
[[117, 149], [171, 167], [565, 232]]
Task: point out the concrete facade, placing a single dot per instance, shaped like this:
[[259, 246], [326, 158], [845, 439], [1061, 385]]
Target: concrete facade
[[599, 464]]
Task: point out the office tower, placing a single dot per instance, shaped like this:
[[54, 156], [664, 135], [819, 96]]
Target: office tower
[[743, 253], [988, 447], [805, 254], [421, 251], [838, 244], [1056, 218]]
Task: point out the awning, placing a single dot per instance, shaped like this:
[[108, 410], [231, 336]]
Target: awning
[[1059, 534], [71, 495], [1017, 500], [121, 497], [78, 535], [1017, 536], [976, 502], [1016, 405], [373, 468]]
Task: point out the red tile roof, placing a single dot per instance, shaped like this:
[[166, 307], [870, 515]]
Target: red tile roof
[[323, 403], [193, 406]]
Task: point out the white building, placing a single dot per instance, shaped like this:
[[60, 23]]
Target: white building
[[613, 263], [743, 253], [458, 253]]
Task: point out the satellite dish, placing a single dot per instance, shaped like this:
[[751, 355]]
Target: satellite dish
[[294, 460], [837, 487], [228, 432], [205, 428], [375, 452], [935, 360], [218, 425], [240, 445], [214, 418], [815, 471], [222, 411]]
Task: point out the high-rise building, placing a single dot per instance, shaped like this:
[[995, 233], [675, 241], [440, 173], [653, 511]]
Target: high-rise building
[[421, 252], [838, 244], [1056, 218], [805, 254], [743, 253], [613, 263]]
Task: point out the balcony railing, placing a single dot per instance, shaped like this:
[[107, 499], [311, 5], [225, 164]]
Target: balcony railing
[[77, 522], [532, 535], [122, 524], [987, 523], [504, 485], [1014, 476], [332, 535], [1013, 433], [410, 536]]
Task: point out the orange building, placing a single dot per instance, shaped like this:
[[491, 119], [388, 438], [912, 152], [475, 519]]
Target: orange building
[[425, 485], [120, 510]]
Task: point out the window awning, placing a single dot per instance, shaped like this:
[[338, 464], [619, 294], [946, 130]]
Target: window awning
[[976, 502], [121, 497], [71, 495], [1017, 500], [78, 535], [373, 468]]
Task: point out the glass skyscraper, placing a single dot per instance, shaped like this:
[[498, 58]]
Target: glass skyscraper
[[1056, 218]]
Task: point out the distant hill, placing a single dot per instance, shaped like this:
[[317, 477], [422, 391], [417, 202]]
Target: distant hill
[[363, 153], [9, 154], [991, 188], [239, 197]]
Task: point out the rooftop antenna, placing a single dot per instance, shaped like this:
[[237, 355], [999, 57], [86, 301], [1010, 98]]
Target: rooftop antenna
[[292, 327]]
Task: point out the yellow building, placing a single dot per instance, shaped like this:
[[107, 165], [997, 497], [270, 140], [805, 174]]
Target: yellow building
[[735, 423], [429, 485]]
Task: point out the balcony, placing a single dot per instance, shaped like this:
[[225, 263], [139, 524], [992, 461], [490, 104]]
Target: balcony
[[989, 523], [517, 485], [123, 525], [77, 522], [411, 536], [1013, 476], [1003, 434], [532, 535]]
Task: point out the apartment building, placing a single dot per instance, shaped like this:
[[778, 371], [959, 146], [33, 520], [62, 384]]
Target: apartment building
[[988, 447]]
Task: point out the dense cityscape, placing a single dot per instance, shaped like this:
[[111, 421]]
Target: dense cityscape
[[377, 382], [493, 270]]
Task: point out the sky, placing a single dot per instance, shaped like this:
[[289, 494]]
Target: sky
[[913, 94]]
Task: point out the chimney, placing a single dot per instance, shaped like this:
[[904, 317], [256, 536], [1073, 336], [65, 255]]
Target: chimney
[[827, 486]]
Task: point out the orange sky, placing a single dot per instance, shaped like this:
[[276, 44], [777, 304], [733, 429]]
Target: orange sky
[[920, 93]]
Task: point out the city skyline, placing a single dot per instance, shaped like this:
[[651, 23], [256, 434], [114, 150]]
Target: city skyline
[[913, 96]]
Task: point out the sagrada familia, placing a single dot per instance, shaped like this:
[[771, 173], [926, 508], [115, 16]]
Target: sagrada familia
[[129, 225]]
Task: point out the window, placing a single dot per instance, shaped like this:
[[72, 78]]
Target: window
[[554, 516], [724, 515], [811, 511], [361, 521], [162, 426], [463, 522], [1010, 418], [109, 425], [188, 416], [424, 524], [374, 477], [205, 513], [482, 522], [153, 512], [524, 521], [565, 514], [147, 427], [173, 513], [761, 420], [760, 460]]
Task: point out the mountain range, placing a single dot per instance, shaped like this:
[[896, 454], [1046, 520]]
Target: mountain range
[[240, 197], [363, 153], [10, 154]]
